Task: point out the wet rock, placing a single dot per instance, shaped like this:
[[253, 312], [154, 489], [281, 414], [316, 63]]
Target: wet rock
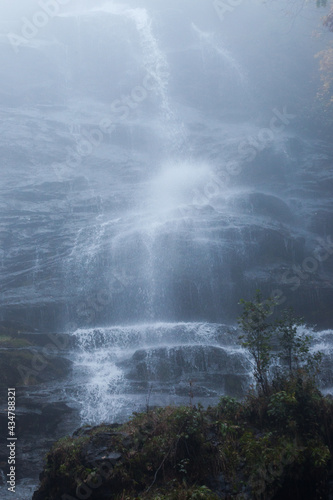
[[265, 205], [26, 367], [99, 454], [94, 455], [38, 426], [15, 334], [83, 431], [210, 370], [170, 364], [11, 327]]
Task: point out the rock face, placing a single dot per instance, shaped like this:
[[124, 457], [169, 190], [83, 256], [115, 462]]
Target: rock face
[[141, 221], [96, 460], [38, 426], [92, 267], [89, 464], [36, 365], [31, 358], [29, 367], [123, 367], [202, 370]]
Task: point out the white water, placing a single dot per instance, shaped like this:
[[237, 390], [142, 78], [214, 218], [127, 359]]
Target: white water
[[210, 42], [132, 235], [190, 352], [106, 355], [23, 491], [156, 66], [154, 61]]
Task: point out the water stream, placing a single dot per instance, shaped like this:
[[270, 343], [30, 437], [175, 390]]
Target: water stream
[[147, 192]]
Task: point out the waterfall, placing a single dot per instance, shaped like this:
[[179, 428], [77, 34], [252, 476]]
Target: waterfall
[[118, 364], [181, 202], [209, 41], [156, 66], [154, 61]]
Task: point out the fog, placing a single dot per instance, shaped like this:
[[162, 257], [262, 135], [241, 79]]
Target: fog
[[98, 97], [160, 161]]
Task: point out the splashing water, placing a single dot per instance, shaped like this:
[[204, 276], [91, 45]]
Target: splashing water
[[116, 365], [102, 385], [176, 185]]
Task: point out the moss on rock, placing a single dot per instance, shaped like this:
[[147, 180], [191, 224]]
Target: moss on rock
[[24, 367], [11, 342], [274, 448]]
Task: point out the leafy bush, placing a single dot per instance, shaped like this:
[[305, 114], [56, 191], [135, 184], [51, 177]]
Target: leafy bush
[[269, 341], [257, 335]]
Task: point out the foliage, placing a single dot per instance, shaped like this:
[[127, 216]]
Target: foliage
[[257, 335], [281, 339], [274, 446], [294, 347], [229, 407], [6, 341], [182, 492], [281, 405]]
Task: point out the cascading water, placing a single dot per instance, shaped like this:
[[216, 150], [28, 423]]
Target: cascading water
[[154, 60], [178, 241], [118, 366], [159, 175], [208, 41], [156, 66]]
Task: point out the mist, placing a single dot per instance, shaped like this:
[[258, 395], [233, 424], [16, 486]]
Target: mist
[[160, 161]]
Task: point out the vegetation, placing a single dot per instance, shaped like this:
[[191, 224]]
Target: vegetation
[[258, 335], [276, 344], [294, 351], [277, 444], [6, 341]]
